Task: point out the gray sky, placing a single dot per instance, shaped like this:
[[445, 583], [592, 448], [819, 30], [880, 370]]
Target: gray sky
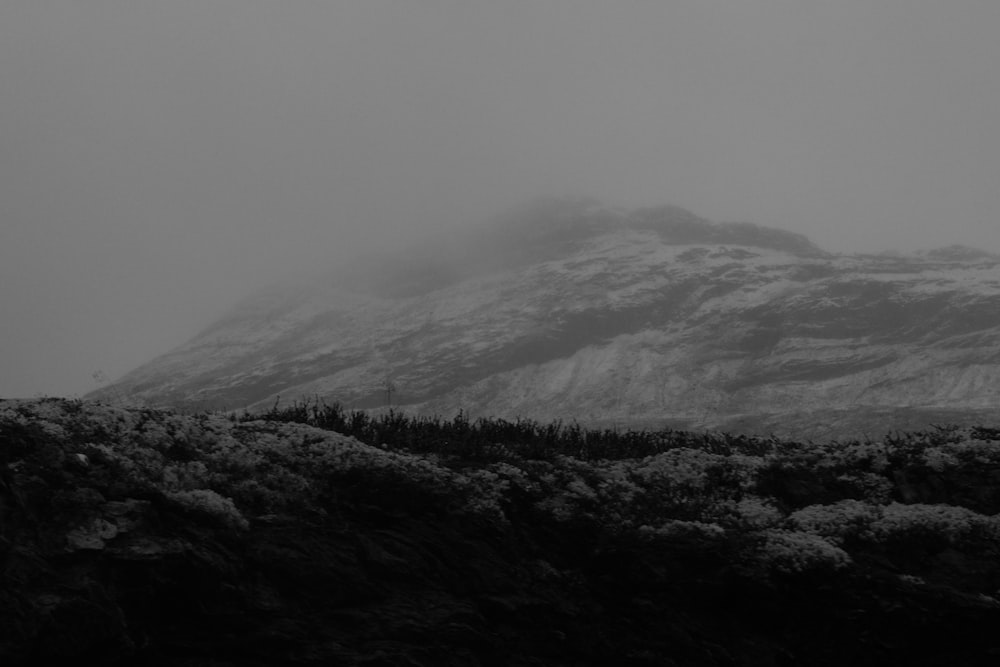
[[161, 159]]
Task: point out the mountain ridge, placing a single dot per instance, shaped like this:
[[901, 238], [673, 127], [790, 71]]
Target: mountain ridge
[[607, 315]]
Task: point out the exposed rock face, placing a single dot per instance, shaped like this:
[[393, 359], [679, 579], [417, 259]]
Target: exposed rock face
[[651, 317]]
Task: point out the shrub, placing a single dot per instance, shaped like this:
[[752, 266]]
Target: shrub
[[791, 552], [934, 525], [839, 522], [211, 503]]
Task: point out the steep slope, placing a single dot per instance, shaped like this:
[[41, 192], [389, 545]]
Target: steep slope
[[647, 317]]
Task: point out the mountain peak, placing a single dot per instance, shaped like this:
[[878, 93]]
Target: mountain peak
[[553, 224], [567, 308], [681, 227], [549, 228]]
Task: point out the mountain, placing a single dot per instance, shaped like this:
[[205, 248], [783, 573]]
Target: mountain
[[652, 317]]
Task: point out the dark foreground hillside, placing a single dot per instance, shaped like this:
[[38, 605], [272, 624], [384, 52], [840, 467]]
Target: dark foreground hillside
[[132, 536]]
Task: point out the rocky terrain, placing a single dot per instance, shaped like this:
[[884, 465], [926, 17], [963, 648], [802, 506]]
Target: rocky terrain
[[567, 309], [136, 536]]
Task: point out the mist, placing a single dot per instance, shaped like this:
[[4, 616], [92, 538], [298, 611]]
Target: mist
[[161, 160]]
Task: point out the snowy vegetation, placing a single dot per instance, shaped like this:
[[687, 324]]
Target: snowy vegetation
[[781, 507]]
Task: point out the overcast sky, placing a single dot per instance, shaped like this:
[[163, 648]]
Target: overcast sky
[[161, 159]]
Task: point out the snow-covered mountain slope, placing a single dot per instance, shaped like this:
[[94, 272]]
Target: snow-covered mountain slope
[[653, 317]]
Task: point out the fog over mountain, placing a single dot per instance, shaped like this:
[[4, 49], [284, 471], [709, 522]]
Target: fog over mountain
[[649, 317], [159, 162]]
